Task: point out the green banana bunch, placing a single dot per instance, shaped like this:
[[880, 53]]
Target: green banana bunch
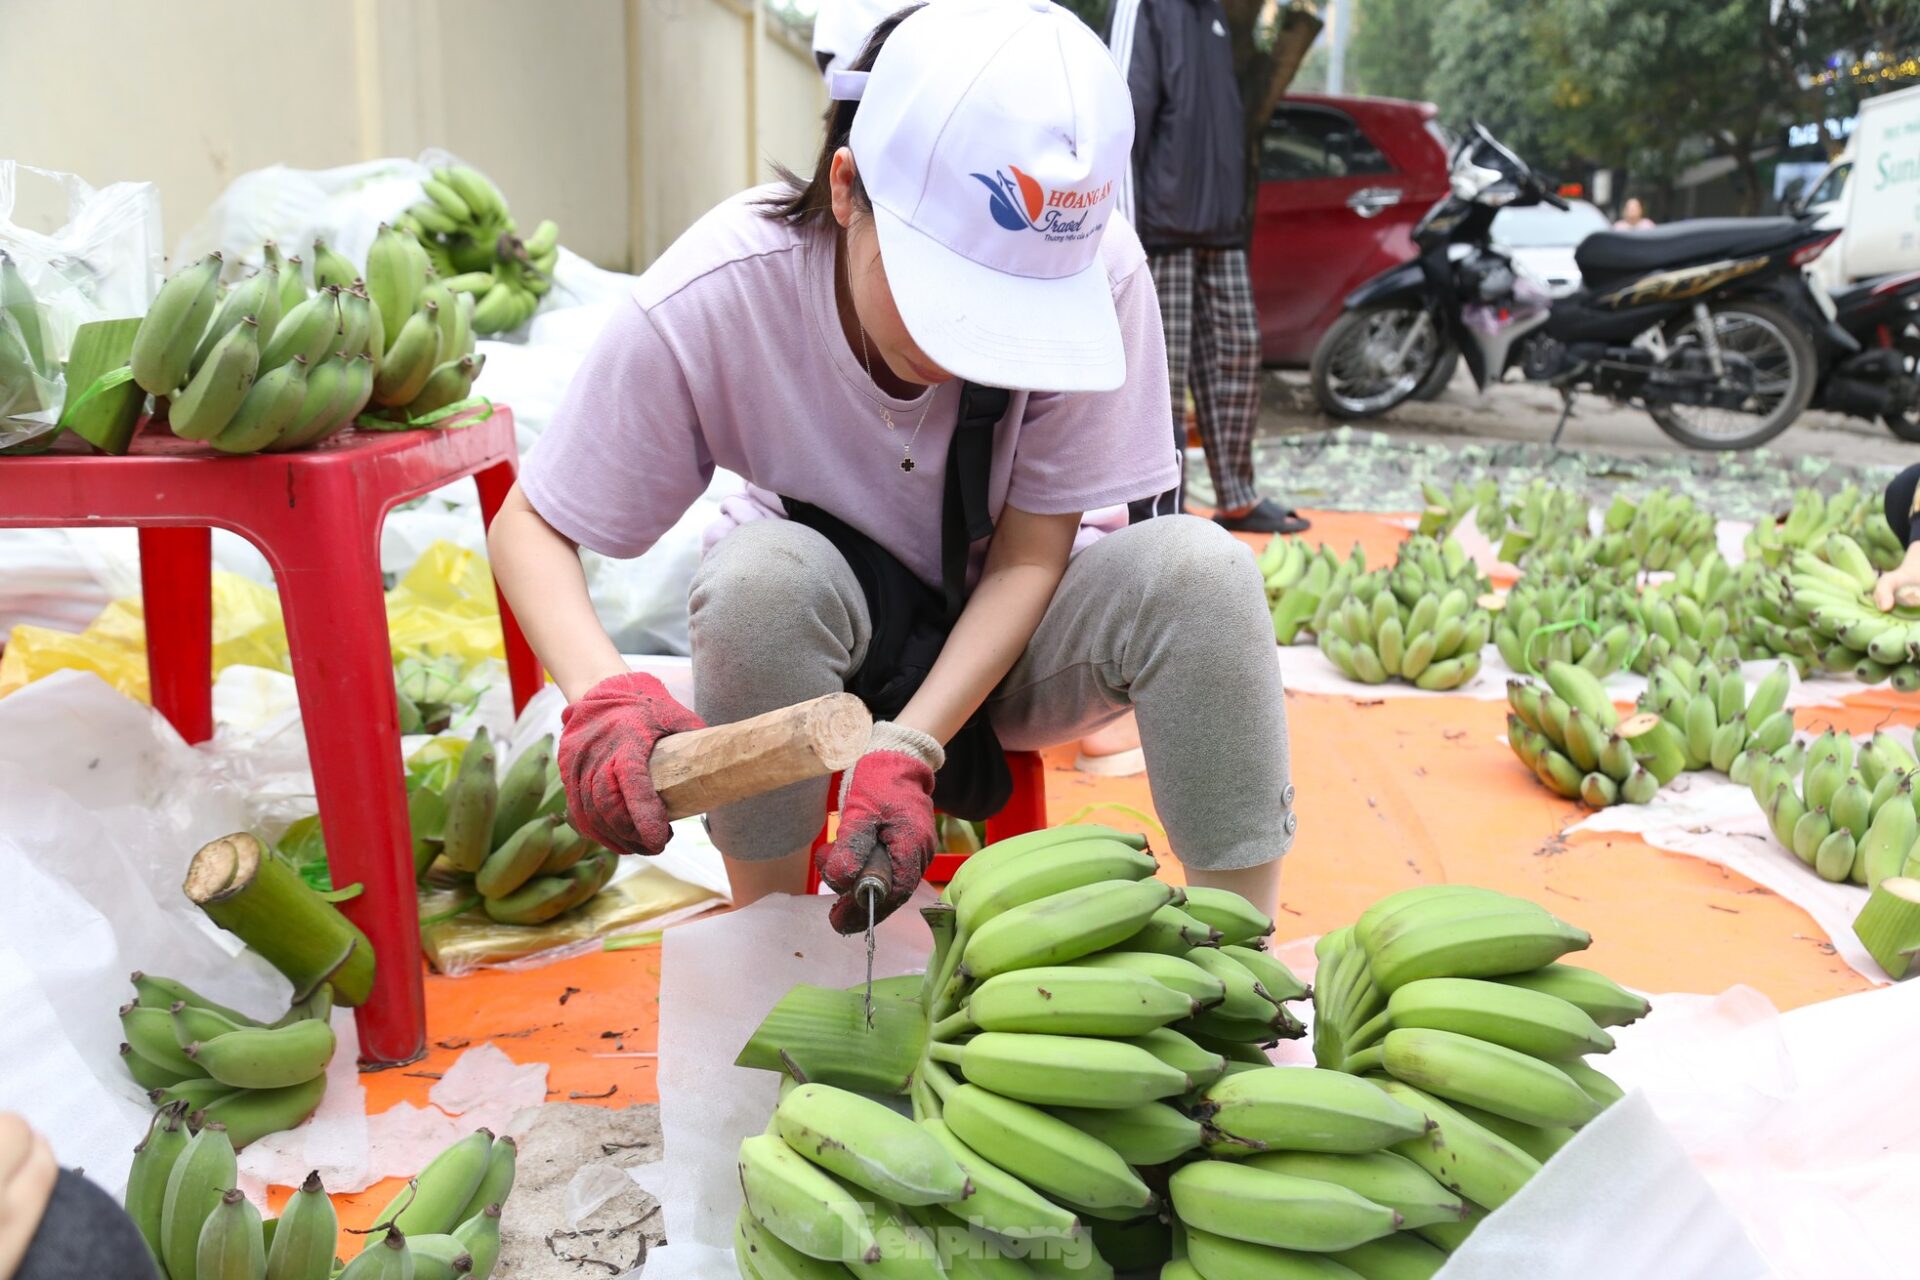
[[432, 1202], [1847, 811], [1446, 509], [472, 241], [1297, 580], [1693, 615], [1540, 520], [1858, 514], [1419, 621], [1569, 734], [1656, 532], [1817, 610]]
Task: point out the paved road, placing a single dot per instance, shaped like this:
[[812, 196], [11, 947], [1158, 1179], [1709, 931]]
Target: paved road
[[1526, 412]]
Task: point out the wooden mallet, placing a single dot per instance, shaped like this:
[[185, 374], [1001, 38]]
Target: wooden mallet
[[705, 769]]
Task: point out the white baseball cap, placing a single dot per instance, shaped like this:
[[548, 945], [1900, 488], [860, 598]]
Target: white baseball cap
[[991, 138]]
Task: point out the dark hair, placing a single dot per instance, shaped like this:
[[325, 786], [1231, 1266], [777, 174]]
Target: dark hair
[[809, 202]]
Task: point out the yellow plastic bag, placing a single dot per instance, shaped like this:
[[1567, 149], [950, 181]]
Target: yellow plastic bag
[[444, 606], [247, 629]]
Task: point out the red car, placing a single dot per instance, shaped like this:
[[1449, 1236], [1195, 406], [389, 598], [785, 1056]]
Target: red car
[[1342, 183]]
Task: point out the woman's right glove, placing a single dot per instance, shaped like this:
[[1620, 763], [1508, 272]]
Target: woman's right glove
[[606, 751]]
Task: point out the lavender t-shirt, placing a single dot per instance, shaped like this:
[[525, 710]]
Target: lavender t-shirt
[[731, 354]]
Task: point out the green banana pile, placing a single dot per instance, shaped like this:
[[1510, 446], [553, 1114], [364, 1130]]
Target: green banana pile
[[432, 691], [1298, 580], [1539, 520], [1591, 620], [1445, 510], [507, 836], [475, 245], [1817, 611], [181, 1196], [1848, 811], [1571, 736], [1420, 621], [1692, 615], [222, 1067], [1811, 518], [1710, 722], [26, 366], [1451, 999]]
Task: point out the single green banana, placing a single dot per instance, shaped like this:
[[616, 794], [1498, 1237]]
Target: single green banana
[[1530, 1022], [1245, 998], [270, 406], [1063, 1071], [266, 1057], [1274, 980], [430, 1205], [394, 281], [1261, 1206], [1000, 1202], [472, 800], [252, 1114], [1076, 1000], [1052, 1156], [308, 330], [150, 1033], [153, 1160], [1459, 1154], [1063, 927], [1486, 944], [1597, 1086], [191, 1023], [439, 1257], [331, 267], [202, 1173], [229, 1247], [761, 1255], [303, 1242], [1026, 880], [409, 360], [1489, 1076], [518, 860], [1403, 1256], [1171, 931], [870, 1145], [210, 400], [803, 1205], [521, 788], [480, 1236], [1290, 1109], [163, 346]]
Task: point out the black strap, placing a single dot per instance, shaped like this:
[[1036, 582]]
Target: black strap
[[964, 516]]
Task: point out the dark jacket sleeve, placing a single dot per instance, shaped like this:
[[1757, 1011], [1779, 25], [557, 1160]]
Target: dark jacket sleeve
[[1136, 47]]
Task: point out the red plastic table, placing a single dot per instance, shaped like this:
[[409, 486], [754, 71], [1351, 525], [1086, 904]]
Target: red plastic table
[[316, 515]]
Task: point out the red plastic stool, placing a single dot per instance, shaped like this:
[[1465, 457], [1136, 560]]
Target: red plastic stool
[[1025, 810], [316, 516]]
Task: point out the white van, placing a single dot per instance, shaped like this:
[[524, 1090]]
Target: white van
[[1872, 193]]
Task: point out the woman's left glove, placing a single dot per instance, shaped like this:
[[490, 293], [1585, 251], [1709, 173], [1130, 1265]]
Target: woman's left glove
[[886, 820]]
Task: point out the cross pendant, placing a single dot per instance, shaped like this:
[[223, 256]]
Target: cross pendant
[[906, 463]]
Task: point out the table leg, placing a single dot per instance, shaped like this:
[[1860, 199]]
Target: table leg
[[176, 587], [523, 668], [328, 572]]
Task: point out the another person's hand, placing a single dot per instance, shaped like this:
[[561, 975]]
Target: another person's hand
[[1900, 584], [27, 1175], [606, 750], [886, 808]]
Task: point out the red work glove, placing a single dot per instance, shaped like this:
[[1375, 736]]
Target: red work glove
[[886, 808], [605, 748]]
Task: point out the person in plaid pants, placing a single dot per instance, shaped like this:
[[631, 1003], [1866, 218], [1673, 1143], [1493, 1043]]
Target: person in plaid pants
[[1187, 198]]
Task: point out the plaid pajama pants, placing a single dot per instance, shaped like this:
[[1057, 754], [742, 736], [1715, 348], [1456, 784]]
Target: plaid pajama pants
[[1213, 343]]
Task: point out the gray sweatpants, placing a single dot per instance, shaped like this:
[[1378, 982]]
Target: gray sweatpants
[[1167, 617]]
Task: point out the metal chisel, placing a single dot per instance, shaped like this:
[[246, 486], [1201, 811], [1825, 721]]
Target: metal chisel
[[870, 888]]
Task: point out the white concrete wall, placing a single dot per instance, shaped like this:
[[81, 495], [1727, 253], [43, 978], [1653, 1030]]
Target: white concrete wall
[[623, 120]]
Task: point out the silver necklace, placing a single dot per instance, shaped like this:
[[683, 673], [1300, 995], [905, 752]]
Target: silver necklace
[[886, 412]]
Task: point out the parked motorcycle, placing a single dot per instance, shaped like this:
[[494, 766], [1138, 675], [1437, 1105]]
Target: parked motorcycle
[[1876, 375], [1702, 323]]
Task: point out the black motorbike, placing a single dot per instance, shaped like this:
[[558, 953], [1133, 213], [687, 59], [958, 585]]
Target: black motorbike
[[1703, 323], [1876, 374]]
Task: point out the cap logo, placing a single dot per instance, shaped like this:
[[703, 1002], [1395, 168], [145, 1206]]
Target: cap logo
[[1021, 204]]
